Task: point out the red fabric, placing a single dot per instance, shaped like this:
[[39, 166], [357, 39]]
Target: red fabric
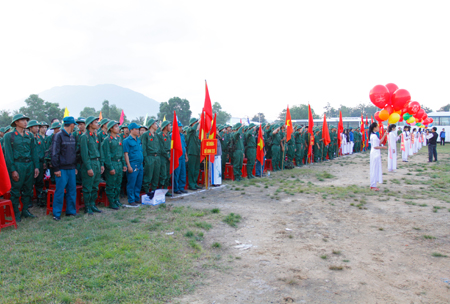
[[100, 117], [212, 134], [122, 117], [340, 128], [203, 130], [325, 131], [208, 108], [260, 146], [288, 123], [311, 145], [310, 120], [176, 150], [362, 130], [5, 184]]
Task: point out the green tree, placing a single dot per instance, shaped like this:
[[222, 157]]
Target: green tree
[[38, 109], [181, 106], [111, 111], [258, 117], [5, 118], [297, 112], [139, 120], [222, 116], [87, 111], [445, 108], [427, 109]]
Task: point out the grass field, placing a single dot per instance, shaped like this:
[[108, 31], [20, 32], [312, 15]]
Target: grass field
[[117, 257]]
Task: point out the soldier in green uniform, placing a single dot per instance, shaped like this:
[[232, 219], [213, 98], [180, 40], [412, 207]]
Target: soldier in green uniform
[[291, 149], [276, 147], [102, 133], [333, 136], [298, 146], [151, 149], [2, 133], [114, 164], [250, 150], [23, 164], [56, 127], [238, 151], [81, 121], [225, 138], [124, 131], [43, 129], [316, 148], [193, 151], [164, 172], [92, 164], [34, 125]]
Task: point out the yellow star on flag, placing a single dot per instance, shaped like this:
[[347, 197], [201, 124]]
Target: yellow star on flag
[[261, 144]]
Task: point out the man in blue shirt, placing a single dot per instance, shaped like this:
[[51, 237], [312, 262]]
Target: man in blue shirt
[[351, 137], [179, 177], [132, 149], [442, 137]]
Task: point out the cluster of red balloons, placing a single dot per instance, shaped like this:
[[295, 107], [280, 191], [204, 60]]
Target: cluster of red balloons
[[396, 105]]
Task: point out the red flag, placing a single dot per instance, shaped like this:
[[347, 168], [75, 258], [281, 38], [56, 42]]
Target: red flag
[[340, 128], [382, 132], [100, 117], [310, 120], [207, 108], [122, 117], [203, 131], [362, 130], [5, 184], [212, 134], [288, 123], [325, 131], [260, 147], [176, 150], [367, 120], [371, 119]]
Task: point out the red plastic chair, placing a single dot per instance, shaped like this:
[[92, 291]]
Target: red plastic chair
[[244, 170], [228, 174], [6, 207], [268, 165], [50, 197], [101, 198]]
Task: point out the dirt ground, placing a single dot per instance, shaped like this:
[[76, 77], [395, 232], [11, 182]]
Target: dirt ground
[[305, 248]]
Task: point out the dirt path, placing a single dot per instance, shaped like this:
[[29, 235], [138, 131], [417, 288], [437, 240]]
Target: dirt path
[[317, 248]]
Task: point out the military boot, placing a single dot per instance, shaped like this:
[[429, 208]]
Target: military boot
[[26, 213], [88, 209], [95, 209], [118, 203]]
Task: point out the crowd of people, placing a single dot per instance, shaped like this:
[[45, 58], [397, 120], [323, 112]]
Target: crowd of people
[[134, 159]]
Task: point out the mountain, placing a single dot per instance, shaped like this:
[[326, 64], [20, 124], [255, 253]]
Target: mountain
[[76, 97]]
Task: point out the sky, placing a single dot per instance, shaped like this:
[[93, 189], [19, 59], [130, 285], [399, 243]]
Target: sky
[[257, 56]]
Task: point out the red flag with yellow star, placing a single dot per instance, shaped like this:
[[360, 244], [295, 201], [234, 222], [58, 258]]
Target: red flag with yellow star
[[288, 123], [325, 131], [260, 147]]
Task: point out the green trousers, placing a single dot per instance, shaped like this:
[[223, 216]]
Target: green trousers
[[113, 183], [298, 155], [39, 181], [276, 157], [152, 168], [238, 159], [193, 170], [79, 179], [251, 159], [164, 172], [291, 153], [23, 187], [90, 183], [224, 160]]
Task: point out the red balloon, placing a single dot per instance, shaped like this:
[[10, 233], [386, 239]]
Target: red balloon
[[400, 98], [377, 116], [431, 119], [420, 114], [401, 118], [426, 121], [424, 116], [392, 87], [413, 107], [390, 109], [379, 96]]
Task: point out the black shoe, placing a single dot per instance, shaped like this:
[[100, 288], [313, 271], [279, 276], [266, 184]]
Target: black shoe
[[193, 189], [178, 192], [27, 213], [168, 193], [55, 218], [183, 191], [95, 209], [114, 208]]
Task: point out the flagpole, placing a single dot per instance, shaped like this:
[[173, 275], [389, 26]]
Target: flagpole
[[173, 170]]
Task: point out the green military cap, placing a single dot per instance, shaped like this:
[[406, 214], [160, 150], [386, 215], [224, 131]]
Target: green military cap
[[165, 124], [55, 125], [192, 121], [151, 122], [103, 121], [237, 126], [144, 126], [110, 124], [81, 120], [16, 118], [123, 126], [43, 123], [184, 129], [7, 128], [2, 130], [263, 125], [90, 120], [251, 126], [33, 123]]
